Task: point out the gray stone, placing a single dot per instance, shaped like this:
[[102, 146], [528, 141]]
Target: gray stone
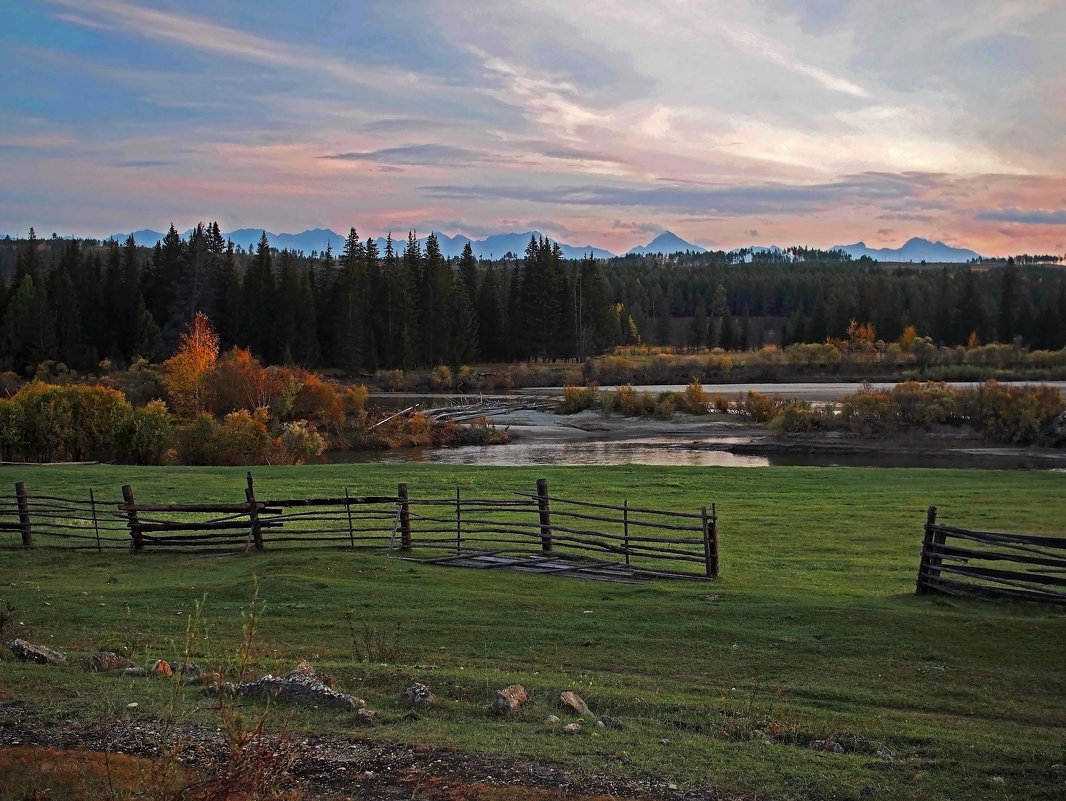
[[884, 753], [102, 661], [572, 728], [134, 672], [419, 695], [508, 700], [366, 717], [575, 702], [42, 655], [611, 723], [551, 720], [300, 689]]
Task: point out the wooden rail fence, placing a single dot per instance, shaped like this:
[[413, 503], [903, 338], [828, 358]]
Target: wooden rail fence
[[958, 561], [533, 530]]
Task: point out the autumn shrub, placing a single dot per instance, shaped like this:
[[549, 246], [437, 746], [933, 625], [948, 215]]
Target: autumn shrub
[[320, 401], [759, 407], [578, 399], [610, 369], [721, 403], [632, 403], [1011, 414], [441, 378], [926, 403], [869, 412], [797, 416], [695, 398], [392, 380], [480, 432], [240, 438], [665, 405], [300, 442], [148, 434]]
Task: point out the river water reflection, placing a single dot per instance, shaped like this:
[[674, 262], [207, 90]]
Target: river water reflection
[[671, 451]]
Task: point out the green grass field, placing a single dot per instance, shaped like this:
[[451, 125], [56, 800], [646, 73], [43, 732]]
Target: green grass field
[[813, 631]]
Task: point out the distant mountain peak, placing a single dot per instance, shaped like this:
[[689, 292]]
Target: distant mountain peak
[[666, 242]]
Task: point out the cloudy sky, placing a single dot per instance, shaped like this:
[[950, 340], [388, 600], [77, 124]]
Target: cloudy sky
[[599, 122]]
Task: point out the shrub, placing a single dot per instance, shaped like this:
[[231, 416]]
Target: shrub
[[926, 404], [441, 378], [148, 435], [869, 412], [577, 399], [1012, 414], [799, 416], [633, 403], [758, 406], [695, 398], [721, 403], [319, 401], [300, 442]]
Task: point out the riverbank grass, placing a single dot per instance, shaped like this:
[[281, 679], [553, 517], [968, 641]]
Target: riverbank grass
[[812, 634]]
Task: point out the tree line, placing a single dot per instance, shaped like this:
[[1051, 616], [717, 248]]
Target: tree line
[[405, 305]]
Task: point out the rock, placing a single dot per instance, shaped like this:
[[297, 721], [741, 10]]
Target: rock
[[210, 678], [222, 688], [998, 780], [102, 661], [551, 720], [366, 717], [508, 699], [134, 672], [575, 702], [600, 724], [42, 655], [826, 745], [419, 695], [884, 753], [162, 667], [304, 668], [611, 723], [300, 689], [868, 791], [1057, 773], [572, 728], [185, 668]]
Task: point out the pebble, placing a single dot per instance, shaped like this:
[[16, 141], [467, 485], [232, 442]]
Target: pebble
[[572, 728], [131, 705], [551, 720]]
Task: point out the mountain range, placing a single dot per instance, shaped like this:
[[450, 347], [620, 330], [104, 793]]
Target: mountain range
[[915, 249], [497, 245]]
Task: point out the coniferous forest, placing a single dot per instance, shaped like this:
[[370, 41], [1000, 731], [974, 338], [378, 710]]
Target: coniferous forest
[[406, 306]]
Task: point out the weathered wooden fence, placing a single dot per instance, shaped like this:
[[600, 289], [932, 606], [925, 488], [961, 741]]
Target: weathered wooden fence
[[533, 530], [958, 561]]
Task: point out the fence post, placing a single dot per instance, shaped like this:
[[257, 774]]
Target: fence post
[[625, 527], [253, 514], [458, 523], [133, 521], [705, 526], [96, 522], [927, 566], [405, 517], [544, 505], [714, 539], [25, 526], [348, 508]]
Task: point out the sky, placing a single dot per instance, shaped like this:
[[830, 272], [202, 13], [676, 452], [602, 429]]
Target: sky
[[602, 122]]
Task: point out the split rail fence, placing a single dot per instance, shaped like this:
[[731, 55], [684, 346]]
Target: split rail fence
[[536, 531], [958, 561]]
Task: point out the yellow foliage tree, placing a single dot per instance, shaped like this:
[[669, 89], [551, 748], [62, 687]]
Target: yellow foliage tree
[[185, 373]]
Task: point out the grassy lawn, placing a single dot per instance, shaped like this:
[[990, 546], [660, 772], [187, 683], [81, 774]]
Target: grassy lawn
[[813, 631]]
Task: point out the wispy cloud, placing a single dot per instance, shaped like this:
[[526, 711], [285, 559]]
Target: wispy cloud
[[1034, 217], [423, 155]]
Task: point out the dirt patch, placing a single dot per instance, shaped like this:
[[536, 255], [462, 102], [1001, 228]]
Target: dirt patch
[[333, 766]]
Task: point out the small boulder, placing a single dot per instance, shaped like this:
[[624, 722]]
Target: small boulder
[[103, 661], [134, 672], [185, 668], [162, 667], [883, 753], [575, 702], [572, 728], [1057, 773], [551, 720], [42, 655], [419, 695], [366, 717], [611, 723], [508, 699], [300, 689]]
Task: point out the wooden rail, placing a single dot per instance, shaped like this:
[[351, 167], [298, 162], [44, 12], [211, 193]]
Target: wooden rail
[[540, 524], [958, 561]]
